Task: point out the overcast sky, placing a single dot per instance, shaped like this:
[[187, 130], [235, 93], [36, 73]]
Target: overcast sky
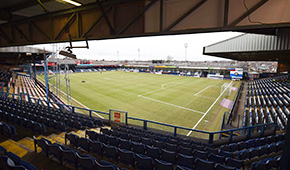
[[151, 48]]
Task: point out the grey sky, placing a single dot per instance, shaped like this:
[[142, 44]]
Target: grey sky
[[158, 47]]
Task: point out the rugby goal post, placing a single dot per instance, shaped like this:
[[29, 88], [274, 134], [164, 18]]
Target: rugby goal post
[[118, 117], [227, 88]]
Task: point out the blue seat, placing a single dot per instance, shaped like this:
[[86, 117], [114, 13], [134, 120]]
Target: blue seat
[[2, 149], [152, 152], [84, 143], [97, 148], [16, 159], [162, 165], [254, 152], [234, 147], [91, 134], [219, 166], [134, 138], [185, 144], [111, 152], [185, 151], [146, 141], [60, 126], [55, 151], [43, 144], [27, 165], [8, 129], [199, 154], [211, 150], [225, 148], [70, 157], [178, 167], [112, 140], [201, 164], [125, 144], [216, 158], [234, 163], [170, 147], [168, 156], [86, 162], [157, 144], [5, 162], [106, 131], [185, 161], [124, 135], [39, 128], [144, 162], [138, 148], [102, 138], [126, 157], [225, 153], [72, 139], [104, 165], [258, 166], [197, 147]]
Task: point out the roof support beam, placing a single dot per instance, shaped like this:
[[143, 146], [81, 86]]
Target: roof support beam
[[21, 33], [38, 29], [42, 6], [249, 12], [195, 7], [2, 33], [95, 23], [226, 13], [161, 16], [112, 31], [72, 17], [138, 16]]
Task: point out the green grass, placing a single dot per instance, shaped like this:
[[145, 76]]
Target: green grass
[[164, 98]]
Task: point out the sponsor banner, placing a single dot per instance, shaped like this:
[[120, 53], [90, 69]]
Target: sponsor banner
[[227, 103], [236, 74]]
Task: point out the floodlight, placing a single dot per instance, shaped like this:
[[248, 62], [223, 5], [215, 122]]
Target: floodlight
[[72, 2]]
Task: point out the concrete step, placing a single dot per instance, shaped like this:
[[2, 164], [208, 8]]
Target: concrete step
[[57, 138], [15, 147], [27, 142]]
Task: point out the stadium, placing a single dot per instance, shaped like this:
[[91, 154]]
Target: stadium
[[58, 111]]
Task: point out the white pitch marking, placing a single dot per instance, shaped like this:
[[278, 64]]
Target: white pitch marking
[[180, 107], [160, 89], [77, 101], [206, 97], [163, 86], [208, 110], [202, 90]]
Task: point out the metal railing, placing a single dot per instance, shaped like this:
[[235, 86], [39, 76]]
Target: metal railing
[[144, 123]]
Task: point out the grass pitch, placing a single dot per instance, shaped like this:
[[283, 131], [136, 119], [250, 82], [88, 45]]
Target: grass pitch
[[175, 100]]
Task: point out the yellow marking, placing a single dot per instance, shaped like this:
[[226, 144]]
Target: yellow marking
[[12, 146]]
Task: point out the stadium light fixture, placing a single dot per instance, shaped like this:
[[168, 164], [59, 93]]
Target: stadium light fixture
[[72, 2]]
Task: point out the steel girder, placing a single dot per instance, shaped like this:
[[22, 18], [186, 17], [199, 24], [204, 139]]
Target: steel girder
[[135, 18]]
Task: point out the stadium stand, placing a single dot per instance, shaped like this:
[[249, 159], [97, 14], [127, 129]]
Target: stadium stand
[[84, 142]]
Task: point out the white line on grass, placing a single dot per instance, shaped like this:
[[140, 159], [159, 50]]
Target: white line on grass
[[202, 90], [180, 107], [77, 101], [206, 97], [208, 109], [160, 89]]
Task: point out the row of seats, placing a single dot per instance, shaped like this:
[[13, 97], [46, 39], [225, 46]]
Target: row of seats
[[7, 129], [71, 156], [126, 151], [9, 160], [267, 163], [117, 131], [260, 151], [141, 143], [252, 143], [72, 120], [30, 124]]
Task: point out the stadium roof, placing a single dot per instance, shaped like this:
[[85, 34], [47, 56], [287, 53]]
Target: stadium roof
[[21, 54], [253, 47]]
